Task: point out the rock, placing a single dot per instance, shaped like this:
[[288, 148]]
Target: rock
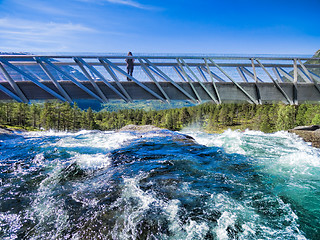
[[307, 128], [5, 130], [308, 134], [141, 128], [145, 130]]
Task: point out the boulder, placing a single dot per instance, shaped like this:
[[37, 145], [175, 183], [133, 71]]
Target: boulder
[[140, 128], [308, 134], [150, 130], [307, 128]]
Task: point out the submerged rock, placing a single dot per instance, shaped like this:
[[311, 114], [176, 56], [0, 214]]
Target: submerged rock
[[71, 172]]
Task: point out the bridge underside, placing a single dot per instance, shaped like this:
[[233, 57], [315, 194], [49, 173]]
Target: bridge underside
[[269, 93]]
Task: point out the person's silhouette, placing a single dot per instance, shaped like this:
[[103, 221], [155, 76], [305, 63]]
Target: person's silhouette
[[130, 64]]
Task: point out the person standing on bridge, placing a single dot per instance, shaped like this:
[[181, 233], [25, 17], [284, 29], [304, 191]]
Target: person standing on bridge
[[130, 63]]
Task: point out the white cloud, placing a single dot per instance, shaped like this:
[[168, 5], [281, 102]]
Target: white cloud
[[26, 27], [35, 35], [51, 8], [130, 3]]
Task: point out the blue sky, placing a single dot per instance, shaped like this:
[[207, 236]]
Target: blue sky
[[176, 26]]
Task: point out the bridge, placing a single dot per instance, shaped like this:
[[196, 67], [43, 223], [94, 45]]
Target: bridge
[[220, 79]]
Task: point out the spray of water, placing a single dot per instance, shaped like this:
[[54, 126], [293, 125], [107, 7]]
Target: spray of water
[[159, 185]]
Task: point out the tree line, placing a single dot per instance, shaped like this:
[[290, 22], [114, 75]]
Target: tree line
[[210, 117]]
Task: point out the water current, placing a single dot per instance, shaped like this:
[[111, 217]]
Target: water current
[[158, 185]]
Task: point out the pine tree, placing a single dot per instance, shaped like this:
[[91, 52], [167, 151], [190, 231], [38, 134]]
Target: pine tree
[[300, 118], [48, 116], [76, 117], [286, 117], [34, 115], [169, 121], [316, 119], [310, 114], [91, 124]]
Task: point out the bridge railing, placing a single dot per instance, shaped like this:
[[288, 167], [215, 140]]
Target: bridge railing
[[111, 70]]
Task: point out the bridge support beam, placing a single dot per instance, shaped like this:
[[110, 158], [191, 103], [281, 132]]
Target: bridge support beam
[[235, 83], [35, 81], [21, 96], [77, 83], [213, 83], [165, 76], [116, 79], [135, 80], [149, 74], [189, 80], [276, 84], [295, 81], [228, 92], [256, 82], [202, 85], [55, 82], [94, 84], [311, 78], [68, 78]]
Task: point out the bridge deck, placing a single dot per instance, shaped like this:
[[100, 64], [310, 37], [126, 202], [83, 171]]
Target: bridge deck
[[194, 78]]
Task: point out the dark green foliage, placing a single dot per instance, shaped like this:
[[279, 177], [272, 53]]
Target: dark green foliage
[[286, 117], [211, 117]]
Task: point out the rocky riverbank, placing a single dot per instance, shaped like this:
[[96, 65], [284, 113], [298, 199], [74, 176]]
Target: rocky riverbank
[[308, 134], [4, 130]]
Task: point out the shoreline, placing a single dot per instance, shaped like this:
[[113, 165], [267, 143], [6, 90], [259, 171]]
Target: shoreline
[[309, 134], [4, 130]]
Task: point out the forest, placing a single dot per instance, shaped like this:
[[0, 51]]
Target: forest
[[208, 117]]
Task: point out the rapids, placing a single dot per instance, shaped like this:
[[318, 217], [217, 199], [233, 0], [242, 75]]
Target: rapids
[[158, 185]]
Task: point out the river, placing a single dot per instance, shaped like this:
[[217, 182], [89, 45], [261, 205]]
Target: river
[[158, 185]]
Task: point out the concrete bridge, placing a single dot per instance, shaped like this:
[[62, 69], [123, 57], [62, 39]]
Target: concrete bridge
[[257, 80]]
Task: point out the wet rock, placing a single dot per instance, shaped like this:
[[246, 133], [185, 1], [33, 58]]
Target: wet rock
[[309, 134], [5, 130], [71, 172], [307, 128], [141, 128], [145, 130]]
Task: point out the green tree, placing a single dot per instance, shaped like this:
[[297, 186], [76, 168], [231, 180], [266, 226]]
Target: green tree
[[66, 116], [89, 117], [48, 116], [34, 118], [316, 119], [286, 117], [169, 121], [300, 118]]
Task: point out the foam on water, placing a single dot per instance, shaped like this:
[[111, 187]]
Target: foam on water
[[291, 168], [159, 185]]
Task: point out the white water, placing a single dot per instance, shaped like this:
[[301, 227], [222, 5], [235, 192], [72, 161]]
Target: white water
[[288, 169]]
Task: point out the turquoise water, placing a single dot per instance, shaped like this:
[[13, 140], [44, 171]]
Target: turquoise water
[[158, 185]]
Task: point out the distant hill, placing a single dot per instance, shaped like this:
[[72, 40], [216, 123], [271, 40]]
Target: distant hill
[[316, 61], [316, 55], [313, 70], [147, 105]]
